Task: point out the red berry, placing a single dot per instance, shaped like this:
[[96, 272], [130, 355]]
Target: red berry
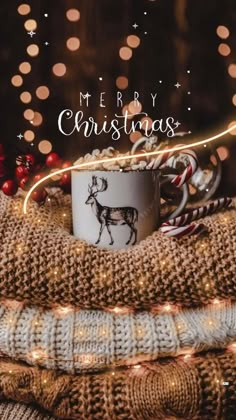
[[38, 177], [53, 160], [66, 164], [24, 183], [21, 171], [65, 179], [39, 195], [30, 161], [9, 187]]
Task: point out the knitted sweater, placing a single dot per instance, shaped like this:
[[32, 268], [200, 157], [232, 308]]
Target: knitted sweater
[[14, 411], [85, 340], [41, 262], [203, 388]]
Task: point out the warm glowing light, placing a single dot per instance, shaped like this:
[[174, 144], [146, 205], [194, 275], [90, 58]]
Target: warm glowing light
[[30, 25], [135, 136], [232, 70], [167, 308], [121, 311], [147, 122], [38, 354], [29, 114], [224, 50], [222, 32], [25, 97], [234, 100], [42, 92], [122, 82], [25, 67], [232, 347], [135, 107], [216, 302], [37, 119], [133, 41], [232, 127], [73, 43], [24, 9], [29, 135], [125, 110], [45, 147], [223, 152], [125, 53], [33, 50], [127, 157], [59, 69], [17, 80], [73, 15], [63, 310]]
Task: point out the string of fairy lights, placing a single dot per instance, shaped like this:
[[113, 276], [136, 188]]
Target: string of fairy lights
[[87, 361], [35, 119]]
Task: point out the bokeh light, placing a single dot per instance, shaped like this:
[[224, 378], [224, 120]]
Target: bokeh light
[[59, 69], [122, 82], [30, 25], [25, 97], [135, 136], [125, 53], [133, 41], [24, 9], [17, 80], [223, 152], [224, 49], [28, 114], [147, 123], [232, 70], [37, 119], [126, 109], [73, 15], [33, 50], [25, 67], [234, 100], [45, 147], [42, 92], [29, 135], [135, 107], [233, 132], [73, 43], [222, 32]]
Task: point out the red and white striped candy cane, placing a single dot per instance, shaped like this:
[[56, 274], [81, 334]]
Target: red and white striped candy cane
[[180, 231], [182, 225], [161, 160]]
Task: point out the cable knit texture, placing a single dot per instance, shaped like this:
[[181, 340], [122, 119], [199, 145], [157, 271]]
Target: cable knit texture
[[14, 411], [88, 340], [199, 389], [40, 261]]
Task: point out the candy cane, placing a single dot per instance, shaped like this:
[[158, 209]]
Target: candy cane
[[162, 159], [181, 226]]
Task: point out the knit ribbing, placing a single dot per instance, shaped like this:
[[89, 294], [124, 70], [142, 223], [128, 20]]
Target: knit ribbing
[[15, 411], [199, 389], [40, 261], [85, 340]]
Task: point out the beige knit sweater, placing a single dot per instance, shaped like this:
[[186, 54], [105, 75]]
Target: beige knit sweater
[[41, 262], [84, 340], [203, 388]]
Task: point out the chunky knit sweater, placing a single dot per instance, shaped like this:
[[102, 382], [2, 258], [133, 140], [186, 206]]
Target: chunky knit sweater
[[84, 340], [201, 388], [41, 262], [15, 411]]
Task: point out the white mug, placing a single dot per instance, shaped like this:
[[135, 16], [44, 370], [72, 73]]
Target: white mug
[[117, 209]]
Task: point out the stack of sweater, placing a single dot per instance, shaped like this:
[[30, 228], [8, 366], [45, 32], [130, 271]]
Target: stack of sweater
[[144, 333]]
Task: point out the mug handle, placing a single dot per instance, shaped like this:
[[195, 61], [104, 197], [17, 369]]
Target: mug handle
[[185, 198]]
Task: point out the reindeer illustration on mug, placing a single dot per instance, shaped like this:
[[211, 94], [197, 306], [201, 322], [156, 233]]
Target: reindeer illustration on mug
[[108, 216]]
